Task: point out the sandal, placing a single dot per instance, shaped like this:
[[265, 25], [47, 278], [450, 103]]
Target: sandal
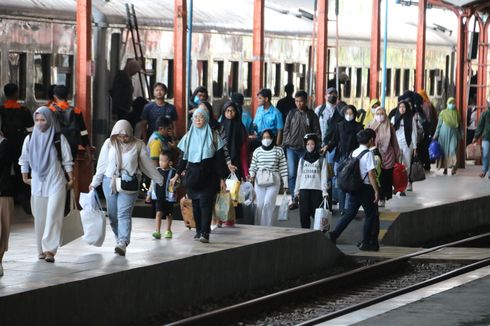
[[482, 175], [49, 257], [42, 255]]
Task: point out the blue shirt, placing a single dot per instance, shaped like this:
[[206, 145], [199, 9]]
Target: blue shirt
[[270, 119], [248, 122], [151, 112]]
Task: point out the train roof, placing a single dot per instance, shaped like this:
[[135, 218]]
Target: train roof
[[282, 17]]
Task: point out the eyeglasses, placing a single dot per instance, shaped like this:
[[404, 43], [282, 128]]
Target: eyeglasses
[[230, 110]]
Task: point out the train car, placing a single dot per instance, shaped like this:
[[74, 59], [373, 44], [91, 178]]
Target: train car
[[37, 48]]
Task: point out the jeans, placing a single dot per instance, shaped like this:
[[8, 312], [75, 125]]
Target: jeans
[[293, 157], [119, 208], [485, 148], [364, 198], [202, 209], [339, 194]]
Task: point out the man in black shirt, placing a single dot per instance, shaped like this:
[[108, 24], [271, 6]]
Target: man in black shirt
[[287, 103]]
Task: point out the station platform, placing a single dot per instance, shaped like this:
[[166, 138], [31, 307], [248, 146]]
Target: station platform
[[462, 300], [93, 286]]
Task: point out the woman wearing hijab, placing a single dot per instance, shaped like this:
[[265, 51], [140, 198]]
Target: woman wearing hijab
[[365, 117], [406, 133], [345, 141], [387, 145], [6, 196], [202, 159], [122, 158], [448, 133], [48, 182], [266, 159]]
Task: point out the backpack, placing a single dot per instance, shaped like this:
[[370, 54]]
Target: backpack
[[68, 125], [349, 177], [320, 112], [57, 145]]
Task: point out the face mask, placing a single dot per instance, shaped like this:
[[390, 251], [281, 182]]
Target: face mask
[[266, 142], [349, 117], [373, 111], [379, 118], [451, 106], [332, 99], [197, 101], [310, 148]]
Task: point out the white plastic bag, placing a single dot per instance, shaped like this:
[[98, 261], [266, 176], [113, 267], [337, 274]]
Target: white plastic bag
[[233, 186], [282, 214], [322, 217], [246, 193], [93, 219]]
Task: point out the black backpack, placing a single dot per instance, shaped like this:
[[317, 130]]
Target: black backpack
[[68, 126], [349, 177]]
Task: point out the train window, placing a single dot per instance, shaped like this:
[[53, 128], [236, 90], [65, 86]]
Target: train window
[[168, 77], [406, 79], [277, 79], [388, 82], [302, 77], [440, 79], [17, 72], [397, 85], [218, 74], [289, 68], [42, 76], [368, 84], [432, 80], [64, 75], [358, 82], [232, 77], [247, 79], [202, 73], [151, 70], [265, 83]]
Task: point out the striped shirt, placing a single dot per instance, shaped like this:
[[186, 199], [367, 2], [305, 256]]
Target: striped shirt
[[273, 160]]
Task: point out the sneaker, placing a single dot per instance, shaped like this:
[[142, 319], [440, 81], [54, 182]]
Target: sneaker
[[204, 238], [197, 236], [167, 234], [409, 188], [120, 249], [368, 247], [403, 194], [293, 206], [214, 226], [332, 237], [381, 203], [229, 224], [49, 257], [1, 269], [157, 235]]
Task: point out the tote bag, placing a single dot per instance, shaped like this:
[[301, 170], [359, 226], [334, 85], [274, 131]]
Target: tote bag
[[322, 217], [72, 228]]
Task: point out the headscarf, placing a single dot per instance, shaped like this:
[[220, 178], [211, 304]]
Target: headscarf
[[373, 102], [197, 144], [42, 153], [315, 155], [234, 130], [122, 127], [450, 117], [382, 129], [407, 118], [424, 95], [213, 123], [346, 132], [271, 146]]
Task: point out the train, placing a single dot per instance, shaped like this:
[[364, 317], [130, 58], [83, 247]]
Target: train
[[37, 49]]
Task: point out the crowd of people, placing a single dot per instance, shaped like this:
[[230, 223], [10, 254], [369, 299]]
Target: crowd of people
[[292, 149]]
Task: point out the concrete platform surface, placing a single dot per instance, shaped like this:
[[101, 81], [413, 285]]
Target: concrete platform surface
[[462, 300]]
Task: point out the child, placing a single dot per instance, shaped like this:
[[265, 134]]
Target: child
[[311, 181], [161, 140], [163, 197]]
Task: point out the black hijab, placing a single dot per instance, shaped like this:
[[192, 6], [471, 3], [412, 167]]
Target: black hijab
[[234, 130], [271, 146], [346, 139], [313, 156], [407, 118]]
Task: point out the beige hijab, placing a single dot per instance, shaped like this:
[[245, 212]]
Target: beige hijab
[[122, 127]]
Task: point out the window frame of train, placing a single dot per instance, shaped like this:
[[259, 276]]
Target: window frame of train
[[233, 76], [64, 66], [44, 70], [247, 79], [18, 67], [359, 82], [397, 82], [218, 77], [432, 81], [302, 77], [406, 79], [151, 72], [277, 78], [388, 82], [202, 73], [439, 82], [168, 76]]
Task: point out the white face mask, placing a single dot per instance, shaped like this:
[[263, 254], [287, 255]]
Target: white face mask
[[310, 148], [349, 117], [266, 142], [379, 118]]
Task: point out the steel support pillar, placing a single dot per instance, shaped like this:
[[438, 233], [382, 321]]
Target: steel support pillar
[[420, 60], [180, 22], [375, 50], [321, 51], [481, 99], [258, 52], [82, 168]]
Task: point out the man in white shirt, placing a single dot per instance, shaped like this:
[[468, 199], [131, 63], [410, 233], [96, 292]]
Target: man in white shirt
[[367, 196]]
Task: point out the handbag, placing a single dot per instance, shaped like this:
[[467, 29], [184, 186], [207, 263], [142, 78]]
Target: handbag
[[127, 184], [72, 226], [322, 215], [265, 177], [473, 152], [417, 172], [187, 214]]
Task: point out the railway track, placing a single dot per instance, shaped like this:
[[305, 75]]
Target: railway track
[[337, 295]]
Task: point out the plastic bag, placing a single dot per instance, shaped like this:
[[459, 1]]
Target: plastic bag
[[473, 152], [233, 186], [400, 178], [282, 214], [322, 217], [93, 219], [223, 206], [417, 172], [435, 150], [246, 194]]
